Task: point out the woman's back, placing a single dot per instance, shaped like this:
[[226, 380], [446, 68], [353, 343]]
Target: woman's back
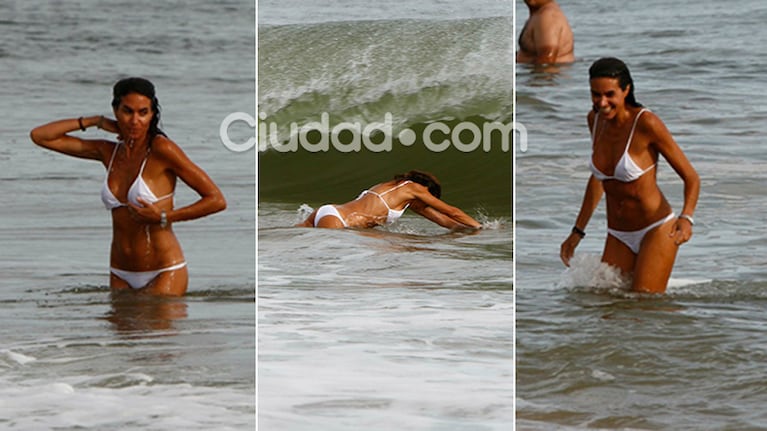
[[383, 203]]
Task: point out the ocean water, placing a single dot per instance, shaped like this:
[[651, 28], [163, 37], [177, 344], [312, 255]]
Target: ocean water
[[589, 355], [408, 326], [71, 358]]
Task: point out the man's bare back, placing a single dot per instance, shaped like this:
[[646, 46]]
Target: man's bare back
[[546, 37]]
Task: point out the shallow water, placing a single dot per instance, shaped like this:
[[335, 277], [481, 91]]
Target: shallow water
[[409, 328]]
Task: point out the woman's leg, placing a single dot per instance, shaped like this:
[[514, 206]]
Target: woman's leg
[[168, 283], [655, 260], [331, 222], [117, 284], [309, 222], [619, 255]]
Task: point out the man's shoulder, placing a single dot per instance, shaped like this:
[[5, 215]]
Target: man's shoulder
[[551, 12]]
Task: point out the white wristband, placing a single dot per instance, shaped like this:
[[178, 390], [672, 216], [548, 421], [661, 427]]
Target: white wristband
[[688, 218]]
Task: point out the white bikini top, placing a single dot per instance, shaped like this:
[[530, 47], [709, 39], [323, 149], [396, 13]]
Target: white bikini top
[[139, 189], [626, 170], [392, 215]]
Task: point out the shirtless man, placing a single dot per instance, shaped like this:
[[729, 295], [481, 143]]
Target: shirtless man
[[546, 37]]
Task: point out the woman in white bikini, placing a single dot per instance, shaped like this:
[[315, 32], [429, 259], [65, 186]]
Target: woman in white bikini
[[143, 164], [386, 202], [643, 232]]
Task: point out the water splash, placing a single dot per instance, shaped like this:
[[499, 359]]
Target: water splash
[[488, 223], [303, 212], [587, 270], [16, 357]]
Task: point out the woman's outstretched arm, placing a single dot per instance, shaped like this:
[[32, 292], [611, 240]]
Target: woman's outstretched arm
[[440, 212], [591, 198], [55, 136]]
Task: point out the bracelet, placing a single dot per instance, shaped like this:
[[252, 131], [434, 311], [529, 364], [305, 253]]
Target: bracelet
[[101, 120], [688, 218], [163, 219], [578, 231], [80, 122]]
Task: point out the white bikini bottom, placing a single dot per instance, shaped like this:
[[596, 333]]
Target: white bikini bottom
[[328, 210], [139, 279], [633, 239]]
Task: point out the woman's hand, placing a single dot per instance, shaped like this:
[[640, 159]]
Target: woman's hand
[[567, 249], [108, 125], [147, 214], [682, 231]]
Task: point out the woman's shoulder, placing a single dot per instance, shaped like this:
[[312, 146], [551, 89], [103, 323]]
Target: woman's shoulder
[[162, 142], [653, 128], [413, 184], [106, 143], [649, 121], [165, 147], [396, 185], [407, 184], [106, 147], [415, 189], [169, 152]]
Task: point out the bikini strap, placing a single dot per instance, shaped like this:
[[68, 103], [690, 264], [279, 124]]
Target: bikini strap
[[594, 127], [112, 159], [143, 163], [631, 134], [396, 187]]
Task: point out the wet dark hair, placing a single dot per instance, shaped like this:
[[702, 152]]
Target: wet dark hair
[[145, 88], [611, 67], [423, 178]]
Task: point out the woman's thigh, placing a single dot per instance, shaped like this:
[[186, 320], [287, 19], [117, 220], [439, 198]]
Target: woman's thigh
[[655, 260], [309, 222], [116, 283], [618, 254], [169, 283], [331, 222]]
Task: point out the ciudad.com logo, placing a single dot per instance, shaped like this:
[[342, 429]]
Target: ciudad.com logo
[[319, 136]]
